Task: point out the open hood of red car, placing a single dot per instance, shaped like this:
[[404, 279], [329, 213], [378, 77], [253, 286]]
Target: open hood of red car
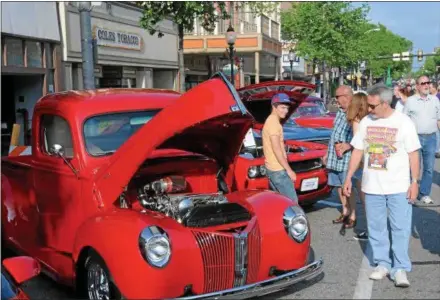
[[210, 119], [257, 97]]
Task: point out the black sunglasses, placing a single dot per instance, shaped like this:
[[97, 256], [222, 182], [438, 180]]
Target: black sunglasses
[[372, 106], [425, 82]]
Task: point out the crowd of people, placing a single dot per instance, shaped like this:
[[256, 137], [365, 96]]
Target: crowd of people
[[380, 144]]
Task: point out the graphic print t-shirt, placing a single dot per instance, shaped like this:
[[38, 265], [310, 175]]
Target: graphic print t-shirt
[[386, 144]]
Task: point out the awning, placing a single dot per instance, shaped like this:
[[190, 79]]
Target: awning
[[36, 20]]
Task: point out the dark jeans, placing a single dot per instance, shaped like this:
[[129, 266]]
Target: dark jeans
[[427, 157], [280, 182]]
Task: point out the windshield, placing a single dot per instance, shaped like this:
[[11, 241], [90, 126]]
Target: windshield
[[320, 104], [313, 111], [290, 122], [104, 134]]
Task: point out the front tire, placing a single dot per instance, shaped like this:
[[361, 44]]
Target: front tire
[[98, 281]]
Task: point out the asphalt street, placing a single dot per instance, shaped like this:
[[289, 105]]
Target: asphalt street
[[346, 261]]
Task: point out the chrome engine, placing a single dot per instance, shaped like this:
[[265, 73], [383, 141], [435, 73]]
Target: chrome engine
[[163, 196]]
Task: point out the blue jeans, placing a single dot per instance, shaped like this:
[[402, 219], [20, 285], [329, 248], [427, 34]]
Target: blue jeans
[[400, 216], [427, 155], [437, 150], [280, 182]]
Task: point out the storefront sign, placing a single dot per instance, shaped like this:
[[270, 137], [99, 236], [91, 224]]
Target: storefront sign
[[117, 39]]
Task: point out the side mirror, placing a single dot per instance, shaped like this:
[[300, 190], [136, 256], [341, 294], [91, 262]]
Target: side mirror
[[22, 268], [57, 149]]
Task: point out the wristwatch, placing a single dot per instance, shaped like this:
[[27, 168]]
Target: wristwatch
[[414, 180]]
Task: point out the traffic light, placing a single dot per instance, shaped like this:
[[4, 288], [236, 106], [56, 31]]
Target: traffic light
[[420, 55]]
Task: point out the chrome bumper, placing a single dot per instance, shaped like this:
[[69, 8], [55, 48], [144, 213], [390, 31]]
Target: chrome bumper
[[267, 286]]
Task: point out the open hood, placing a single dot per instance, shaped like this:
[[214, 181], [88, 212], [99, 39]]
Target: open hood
[[257, 97], [210, 119]]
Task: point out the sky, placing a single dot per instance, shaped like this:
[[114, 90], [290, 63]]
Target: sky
[[418, 22]]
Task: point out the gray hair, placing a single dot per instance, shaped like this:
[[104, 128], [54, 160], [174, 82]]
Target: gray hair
[[420, 77], [385, 93]]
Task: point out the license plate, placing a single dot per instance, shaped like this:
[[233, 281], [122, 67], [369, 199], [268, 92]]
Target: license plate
[[309, 184]]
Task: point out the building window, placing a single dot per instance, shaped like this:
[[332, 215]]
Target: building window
[[14, 52], [286, 58], [34, 54]]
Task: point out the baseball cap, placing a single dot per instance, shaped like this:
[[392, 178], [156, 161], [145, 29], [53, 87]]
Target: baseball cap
[[281, 98]]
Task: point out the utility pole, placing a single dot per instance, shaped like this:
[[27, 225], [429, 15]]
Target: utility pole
[[86, 45], [324, 82]]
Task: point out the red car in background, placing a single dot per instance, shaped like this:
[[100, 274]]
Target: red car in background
[[304, 157], [320, 102], [311, 115], [15, 271], [323, 118]]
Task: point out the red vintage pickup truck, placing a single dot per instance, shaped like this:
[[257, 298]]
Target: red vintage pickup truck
[[130, 194]]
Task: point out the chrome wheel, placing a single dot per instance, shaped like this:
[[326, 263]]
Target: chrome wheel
[[98, 285]]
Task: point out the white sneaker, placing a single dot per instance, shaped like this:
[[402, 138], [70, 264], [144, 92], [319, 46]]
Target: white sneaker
[[400, 279], [427, 200], [379, 273]]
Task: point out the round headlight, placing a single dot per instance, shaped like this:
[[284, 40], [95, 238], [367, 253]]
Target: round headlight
[[295, 223], [252, 172], [263, 170], [155, 246]]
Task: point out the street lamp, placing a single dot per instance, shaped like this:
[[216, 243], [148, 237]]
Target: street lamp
[[292, 57], [370, 78], [231, 36]]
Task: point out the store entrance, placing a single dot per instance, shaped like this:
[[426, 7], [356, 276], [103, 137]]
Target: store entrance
[[20, 93], [112, 77], [8, 111]]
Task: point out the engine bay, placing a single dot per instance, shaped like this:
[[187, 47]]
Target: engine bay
[[168, 196]]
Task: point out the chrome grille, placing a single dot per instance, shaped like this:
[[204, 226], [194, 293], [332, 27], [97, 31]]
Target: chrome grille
[[241, 255]]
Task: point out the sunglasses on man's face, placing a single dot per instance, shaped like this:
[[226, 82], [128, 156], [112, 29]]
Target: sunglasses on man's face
[[372, 106], [425, 82]]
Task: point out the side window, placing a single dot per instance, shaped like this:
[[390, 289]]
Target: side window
[[56, 130]]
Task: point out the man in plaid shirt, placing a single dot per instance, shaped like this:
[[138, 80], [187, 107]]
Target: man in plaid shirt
[[339, 154]]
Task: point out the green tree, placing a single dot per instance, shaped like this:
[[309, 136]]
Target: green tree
[[383, 43], [325, 31], [183, 15], [429, 68]]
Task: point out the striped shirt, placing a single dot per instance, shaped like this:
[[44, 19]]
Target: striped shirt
[[342, 132]]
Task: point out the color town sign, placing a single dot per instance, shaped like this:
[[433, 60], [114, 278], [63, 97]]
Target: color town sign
[[116, 39]]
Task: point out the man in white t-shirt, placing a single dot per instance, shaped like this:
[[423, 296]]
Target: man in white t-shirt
[[388, 140]]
